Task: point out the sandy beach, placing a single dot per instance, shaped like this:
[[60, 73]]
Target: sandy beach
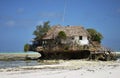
[[66, 69]]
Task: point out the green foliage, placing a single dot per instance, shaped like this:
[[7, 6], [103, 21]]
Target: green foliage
[[41, 30], [95, 35], [26, 47], [62, 35]]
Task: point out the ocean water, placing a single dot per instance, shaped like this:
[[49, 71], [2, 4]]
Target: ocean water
[[21, 52], [19, 63]]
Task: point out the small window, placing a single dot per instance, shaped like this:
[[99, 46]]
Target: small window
[[72, 38], [88, 38], [80, 37]]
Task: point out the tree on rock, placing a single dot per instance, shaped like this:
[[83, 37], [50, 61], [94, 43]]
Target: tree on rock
[[26, 47], [41, 30], [95, 35], [62, 35]]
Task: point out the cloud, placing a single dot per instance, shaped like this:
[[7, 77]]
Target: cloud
[[39, 23], [3, 17], [118, 10], [10, 23], [20, 10], [50, 15]]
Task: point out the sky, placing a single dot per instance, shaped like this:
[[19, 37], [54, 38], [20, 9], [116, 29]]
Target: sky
[[19, 18]]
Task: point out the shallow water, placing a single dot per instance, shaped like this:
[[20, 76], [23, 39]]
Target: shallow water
[[10, 64], [21, 52]]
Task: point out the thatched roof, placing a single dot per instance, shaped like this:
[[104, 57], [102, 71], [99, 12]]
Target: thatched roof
[[69, 30]]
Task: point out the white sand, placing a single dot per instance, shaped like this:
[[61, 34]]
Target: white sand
[[67, 69]]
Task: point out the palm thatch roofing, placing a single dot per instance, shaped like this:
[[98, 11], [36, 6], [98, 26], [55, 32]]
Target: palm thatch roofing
[[70, 31]]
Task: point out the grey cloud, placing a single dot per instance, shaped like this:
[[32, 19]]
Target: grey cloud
[[10, 23], [50, 15], [20, 10], [3, 17], [118, 10]]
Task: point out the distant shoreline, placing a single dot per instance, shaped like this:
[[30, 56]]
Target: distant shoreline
[[117, 52]]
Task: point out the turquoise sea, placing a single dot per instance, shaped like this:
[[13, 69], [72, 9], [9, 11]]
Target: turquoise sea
[[21, 52], [17, 63]]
